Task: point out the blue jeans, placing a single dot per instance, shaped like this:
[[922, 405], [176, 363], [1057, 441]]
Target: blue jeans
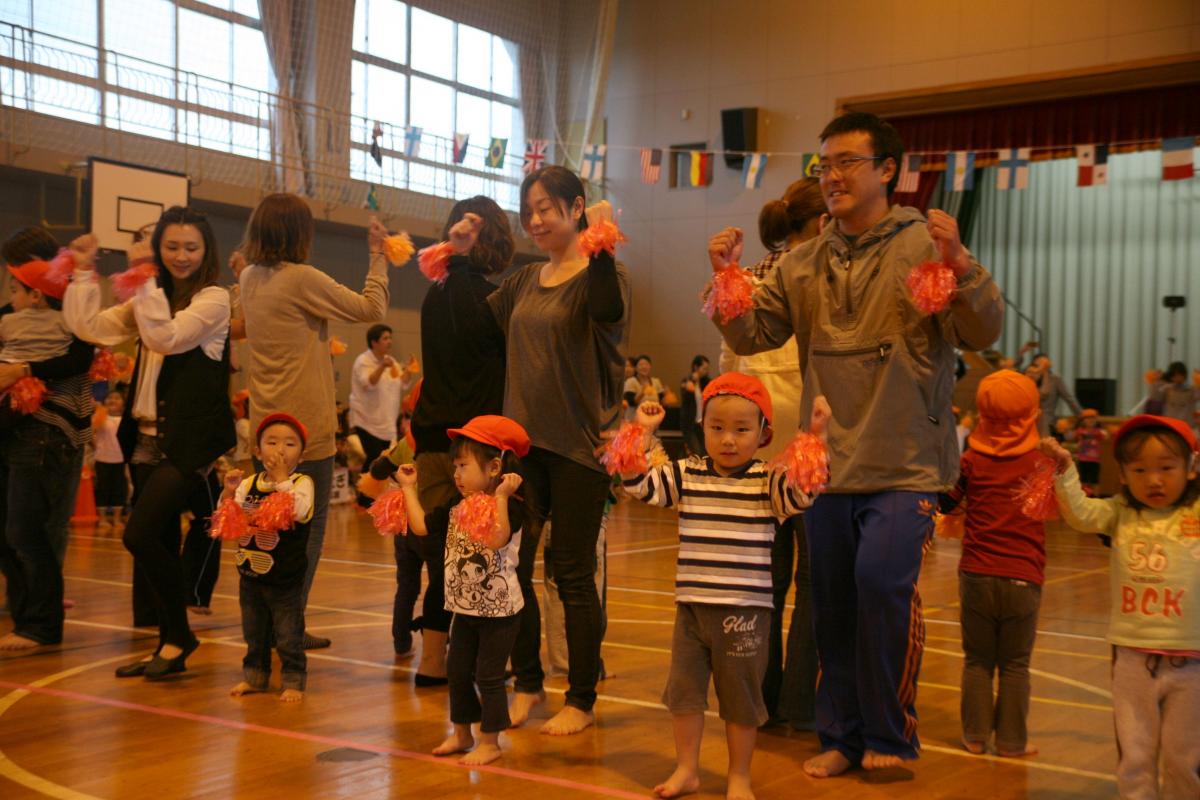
[[40, 467], [273, 614]]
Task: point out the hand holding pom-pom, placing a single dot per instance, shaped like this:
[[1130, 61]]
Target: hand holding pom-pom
[[398, 249], [336, 346], [805, 463], [125, 284], [26, 395], [626, 452], [932, 284], [389, 512], [464, 233], [434, 261], [1036, 494], [229, 521], [731, 294], [104, 367], [476, 517], [603, 236], [276, 512], [61, 267]]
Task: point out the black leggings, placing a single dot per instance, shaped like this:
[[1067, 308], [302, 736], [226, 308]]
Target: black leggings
[[152, 535], [573, 496]]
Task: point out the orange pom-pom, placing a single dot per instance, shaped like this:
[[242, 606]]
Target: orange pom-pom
[[125, 284], [124, 366], [1152, 376], [476, 517], [371, 487], [932, 284], [950, 526], [805, 463], [277, 512], [398, 249], [104, 367], [228, 521], [603, 236], [731, 294], [26, 395], [434, 261], [99, 416], [61, 267], [336, 346], [1036, 493], [626, 452], [390, 513], [1062, 425]]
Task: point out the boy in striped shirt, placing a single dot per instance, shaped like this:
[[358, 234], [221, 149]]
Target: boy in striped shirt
[[728, 505]]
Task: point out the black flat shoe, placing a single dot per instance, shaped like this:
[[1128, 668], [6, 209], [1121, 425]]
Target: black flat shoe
[[429, 680], [312, 642], [160, 667], [134, 670]]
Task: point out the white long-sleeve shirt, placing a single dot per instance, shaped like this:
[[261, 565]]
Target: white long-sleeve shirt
[[204, 324], [374, 407]]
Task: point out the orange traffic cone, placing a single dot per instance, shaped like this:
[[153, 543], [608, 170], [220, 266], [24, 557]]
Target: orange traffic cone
[[85, 501]]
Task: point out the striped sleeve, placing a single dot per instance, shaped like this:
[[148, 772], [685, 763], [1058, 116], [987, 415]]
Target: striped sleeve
[[786, 501], [660, 486]]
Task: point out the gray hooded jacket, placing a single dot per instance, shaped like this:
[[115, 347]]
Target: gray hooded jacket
[[886, 368]]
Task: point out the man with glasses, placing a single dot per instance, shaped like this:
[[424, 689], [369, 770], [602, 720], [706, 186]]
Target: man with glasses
[[888, 371]]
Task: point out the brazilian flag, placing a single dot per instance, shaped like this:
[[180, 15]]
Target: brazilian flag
[[495, 156]]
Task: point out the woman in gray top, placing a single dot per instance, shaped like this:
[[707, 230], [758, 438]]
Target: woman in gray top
[[564, 320], [1052, 388]]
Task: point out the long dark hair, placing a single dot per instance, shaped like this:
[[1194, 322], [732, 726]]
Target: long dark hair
[[493, 250], [210, 268], [561, 184]]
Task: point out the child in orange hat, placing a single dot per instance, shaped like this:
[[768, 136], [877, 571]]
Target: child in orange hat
[[1001, 571], [728, 506], [1089, 438]]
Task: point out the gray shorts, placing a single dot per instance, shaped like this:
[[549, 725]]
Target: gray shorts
[[730, 644]]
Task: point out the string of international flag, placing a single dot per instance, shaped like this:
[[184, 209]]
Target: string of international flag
[[694, 167]]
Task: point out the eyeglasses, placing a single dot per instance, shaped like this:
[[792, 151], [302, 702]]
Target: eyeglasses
[[842, 166]]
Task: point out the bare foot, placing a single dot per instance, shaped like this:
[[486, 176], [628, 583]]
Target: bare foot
[[291, 696], [827, 765], [682, 781], [522, 703], [874, 760], [243, 688], [14, 643], [455, 743], [568, 721], [738, 788], [1030, 750], [974, 748], [484, 754]]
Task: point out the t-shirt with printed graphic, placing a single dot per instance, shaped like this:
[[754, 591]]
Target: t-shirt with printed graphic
[[275, 559], [480, 581]]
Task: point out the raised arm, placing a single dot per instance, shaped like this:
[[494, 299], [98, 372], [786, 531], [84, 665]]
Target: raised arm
[[769, 324], [205, 319], [82, 313], [976, 311]]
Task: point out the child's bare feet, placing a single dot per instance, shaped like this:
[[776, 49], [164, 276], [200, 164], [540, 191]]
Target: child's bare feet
[[1030, 750], [14, 643], [242, 689], [483, 754], [682, 781], [568, 721], [291, 696], [457, 742], [827, 765], [738, 788], [523, 703], [875, 760], [974, 748]]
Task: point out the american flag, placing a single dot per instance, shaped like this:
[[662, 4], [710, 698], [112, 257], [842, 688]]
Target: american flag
[[535, 155], [910, 174], [651, 164]]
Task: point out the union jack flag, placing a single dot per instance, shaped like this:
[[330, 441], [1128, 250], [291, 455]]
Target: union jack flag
[[535, 155]]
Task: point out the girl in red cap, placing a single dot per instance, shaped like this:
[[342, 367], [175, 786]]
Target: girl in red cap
[[1154, 616], [481, 586]]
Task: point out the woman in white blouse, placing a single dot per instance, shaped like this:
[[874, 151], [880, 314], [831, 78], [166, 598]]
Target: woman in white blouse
[[179, 420]]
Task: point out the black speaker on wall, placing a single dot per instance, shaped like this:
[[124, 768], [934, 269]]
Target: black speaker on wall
[[739, 131], [1097, 393]]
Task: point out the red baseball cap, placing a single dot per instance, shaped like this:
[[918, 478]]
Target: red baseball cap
[[1150, 421], [282, 419], [499, 432], [36, 274], [740, 384]]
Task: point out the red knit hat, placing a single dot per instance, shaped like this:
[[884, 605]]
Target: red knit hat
[[496, 431], [746, 386], [1150, 421], [282, 419]]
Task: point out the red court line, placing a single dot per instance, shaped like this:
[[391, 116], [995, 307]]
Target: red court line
[[325, 740]]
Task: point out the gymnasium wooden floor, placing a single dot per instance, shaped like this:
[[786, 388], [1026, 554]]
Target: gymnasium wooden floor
[[69, 729]]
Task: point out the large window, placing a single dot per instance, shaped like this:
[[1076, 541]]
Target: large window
[[414, 69], [180, 70]]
